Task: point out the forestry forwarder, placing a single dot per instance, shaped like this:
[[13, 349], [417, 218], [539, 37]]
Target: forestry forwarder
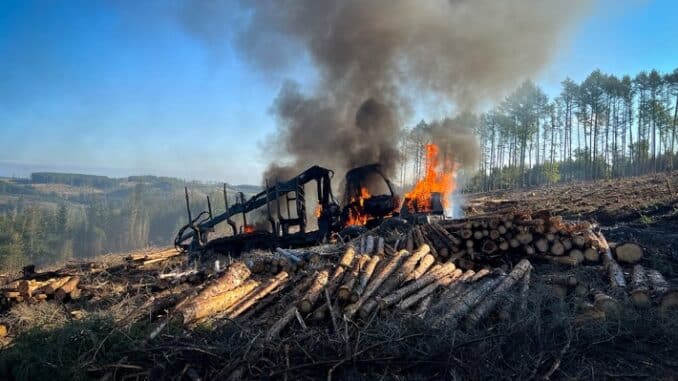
[[287, 223]]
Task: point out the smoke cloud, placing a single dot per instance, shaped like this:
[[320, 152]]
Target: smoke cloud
[[374, 58]]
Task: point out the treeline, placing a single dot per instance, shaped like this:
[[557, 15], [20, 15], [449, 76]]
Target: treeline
[[604, 127], [74, 179], [102, 182], [35, 233], [44, 227]]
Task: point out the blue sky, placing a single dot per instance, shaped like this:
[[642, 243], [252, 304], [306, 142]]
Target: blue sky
[[105, 88]]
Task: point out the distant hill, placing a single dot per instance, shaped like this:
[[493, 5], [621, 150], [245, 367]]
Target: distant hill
[[54, 216]]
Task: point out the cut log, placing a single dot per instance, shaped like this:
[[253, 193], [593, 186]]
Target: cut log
[[162, 255], [659, 285], [306, 303], [452, 293], [380, 246], [579, 240], [53, 286], [524, 291], [640, 287], [467, 302], [369, 245], [574, 258], [377, 280], [428, 290], [423, 306], [67, 288], [542, 245], [281, 323], [409, 242], [398, 277], [9, 294], [591, 254], [615, 272], [488, 303], [258, 294], [349, 281], [557, 248], [403, 271], [343, 266], [437, 272], [524, 238], [489, 247], [628, 253], [480, 274], [452, 240], [201, 308], [233, 277], [366, 274], [424, 264], [28, 287]]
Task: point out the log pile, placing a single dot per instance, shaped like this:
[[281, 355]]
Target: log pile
[[454, 273], [62, 288], [145, 259]]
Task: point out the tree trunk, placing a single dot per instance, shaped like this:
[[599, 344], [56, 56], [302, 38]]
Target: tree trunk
[[385, 272], [197, 309], [306, 303], [640, 290], [428, 290], [487, 304], [259, 294]]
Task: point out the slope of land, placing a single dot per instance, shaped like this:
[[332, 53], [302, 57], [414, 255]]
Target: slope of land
[[155, 315], [54, 217]]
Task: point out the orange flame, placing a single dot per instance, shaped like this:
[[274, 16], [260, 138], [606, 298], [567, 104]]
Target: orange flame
[[356, 216], [439, 177], [318, 210], [248, 229]]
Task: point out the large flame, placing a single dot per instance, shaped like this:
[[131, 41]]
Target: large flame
[[357, 215], [439, 177]]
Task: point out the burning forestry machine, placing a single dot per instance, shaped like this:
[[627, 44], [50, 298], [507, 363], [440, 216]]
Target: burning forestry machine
[[286, 213]]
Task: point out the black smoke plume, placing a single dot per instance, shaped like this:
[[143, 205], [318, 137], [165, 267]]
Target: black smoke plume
[[374, 59]]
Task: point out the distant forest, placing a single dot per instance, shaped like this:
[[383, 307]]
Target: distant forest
[[54, 217], [604, 127]]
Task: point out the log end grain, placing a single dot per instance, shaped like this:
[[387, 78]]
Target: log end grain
[[628, 253]]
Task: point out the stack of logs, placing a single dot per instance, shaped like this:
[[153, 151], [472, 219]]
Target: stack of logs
[[450, 272], [359, 284], [142, 260], [453, 273], [496, 236], [60, 288]]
